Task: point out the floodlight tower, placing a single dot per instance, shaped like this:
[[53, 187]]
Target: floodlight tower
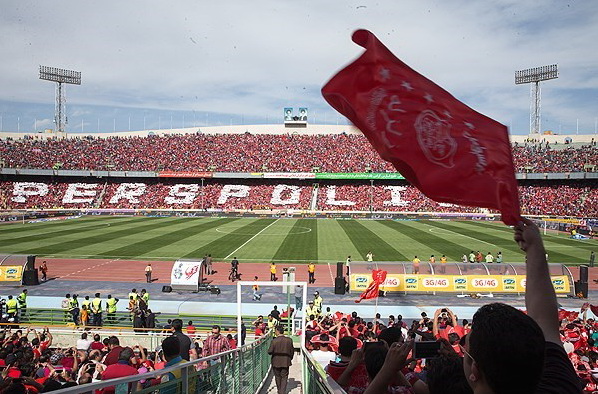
[[60, 76], [534, 76]]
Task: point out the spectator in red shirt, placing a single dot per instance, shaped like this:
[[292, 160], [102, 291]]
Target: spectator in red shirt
[[114, 353], [120, 369]]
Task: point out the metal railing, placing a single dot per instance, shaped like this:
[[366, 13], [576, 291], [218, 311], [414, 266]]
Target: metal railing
[[121, 319], [242, 370]]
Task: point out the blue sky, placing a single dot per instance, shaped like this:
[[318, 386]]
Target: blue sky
[[239, 62]]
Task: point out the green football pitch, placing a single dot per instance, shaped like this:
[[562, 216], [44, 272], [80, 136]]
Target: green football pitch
[[301, 240]]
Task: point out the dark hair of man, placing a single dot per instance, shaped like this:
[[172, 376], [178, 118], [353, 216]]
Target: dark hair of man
[[171, 347], [96, 337], [391, 335], [113, 341], [280, 328], [346, 345], [373, 358], [177, 324], [446, 375], [508, 346], [126, 354]]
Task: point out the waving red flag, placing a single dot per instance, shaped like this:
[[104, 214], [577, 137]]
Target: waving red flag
[[446, 149], [378, 276]]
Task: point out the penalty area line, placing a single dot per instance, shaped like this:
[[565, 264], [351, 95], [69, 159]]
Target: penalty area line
[[250, 239]]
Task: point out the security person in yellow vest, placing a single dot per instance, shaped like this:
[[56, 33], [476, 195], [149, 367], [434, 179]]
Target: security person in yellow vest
[[111, 309], [12, 308], [87, 303], [318, 302], [96, 310], [133, 294], [145, 296], [311, 310], [22, 301], [74, 309]]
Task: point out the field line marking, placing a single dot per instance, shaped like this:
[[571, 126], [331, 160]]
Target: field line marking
[[330, 270], [456, 233], [251, 239]]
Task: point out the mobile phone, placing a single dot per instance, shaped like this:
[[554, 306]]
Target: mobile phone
[[426, 349]]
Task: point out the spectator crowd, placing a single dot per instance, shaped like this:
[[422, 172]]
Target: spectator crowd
[[249, 153], [571, 199]]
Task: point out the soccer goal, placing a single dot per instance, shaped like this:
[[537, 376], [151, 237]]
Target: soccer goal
[[291, 291]]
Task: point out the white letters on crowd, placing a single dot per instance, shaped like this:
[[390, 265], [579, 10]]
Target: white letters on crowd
[[78, 193], [238, 191], [293, 193], [395, 196], [182, 194], [186, 194], [128, 191], [22, 190]]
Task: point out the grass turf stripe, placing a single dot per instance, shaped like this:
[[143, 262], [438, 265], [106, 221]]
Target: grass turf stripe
[[35, 237], [451, 250], [222, 246], [299, 244], [106, 236], [148, 245], [503, 243], [366, 240]]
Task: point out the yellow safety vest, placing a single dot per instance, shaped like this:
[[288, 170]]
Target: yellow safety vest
[[22, 300], [86, 303], [146, 298], [318, 303], [311, 311], [11, 306], [96, 305], [111, 305], [73, 304], [134, 295]]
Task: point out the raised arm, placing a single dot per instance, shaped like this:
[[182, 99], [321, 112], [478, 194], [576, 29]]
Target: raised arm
[[540, 298]]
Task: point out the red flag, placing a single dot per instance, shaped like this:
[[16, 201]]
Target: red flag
[[594, 309], [446, 149], [378, 276]]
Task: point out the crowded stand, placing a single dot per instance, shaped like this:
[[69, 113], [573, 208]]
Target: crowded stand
[[249, 153], [572, 199]]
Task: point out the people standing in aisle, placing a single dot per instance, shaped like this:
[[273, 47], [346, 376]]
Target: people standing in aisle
[[318, 302], [255, 288], [281, 349], [74, 309], [370, 259], [443, 264], [148, 273], [44, 270], [499, 258], [415, 262], [96, 310], [22, 301], [311, 272], [348, 263], [111, 309], [12, 309], [298, 297]]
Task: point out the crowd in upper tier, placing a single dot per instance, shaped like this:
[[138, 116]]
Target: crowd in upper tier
[[249, 153]]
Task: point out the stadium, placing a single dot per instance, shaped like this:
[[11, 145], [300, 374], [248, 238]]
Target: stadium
[[414, 245], [98, 224]]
